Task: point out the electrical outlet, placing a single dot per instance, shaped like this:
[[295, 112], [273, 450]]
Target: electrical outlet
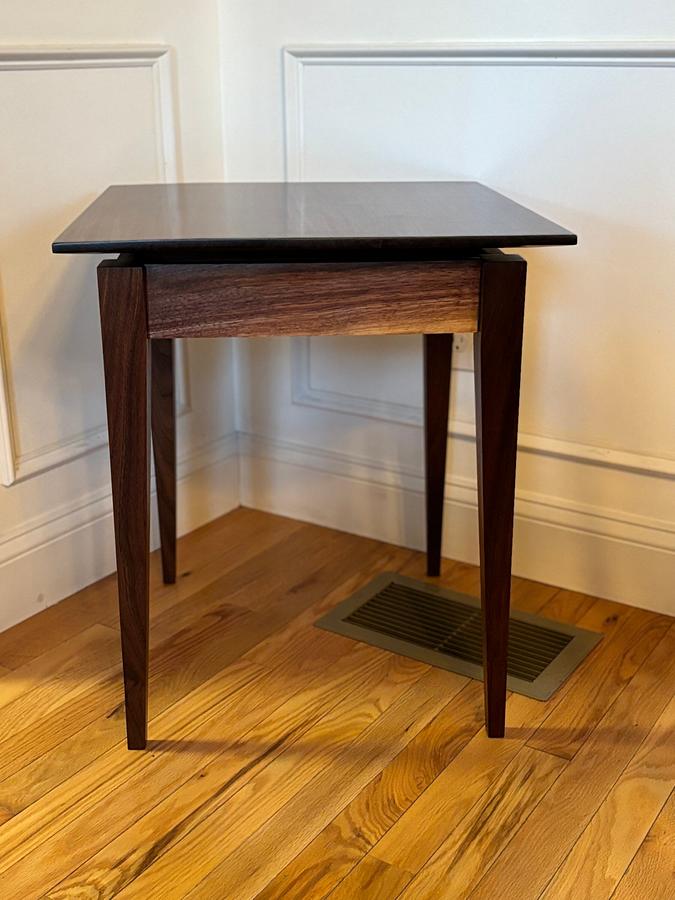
[[462, 352]]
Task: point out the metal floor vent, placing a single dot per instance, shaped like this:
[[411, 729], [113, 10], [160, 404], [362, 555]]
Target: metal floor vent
[[444, 628]]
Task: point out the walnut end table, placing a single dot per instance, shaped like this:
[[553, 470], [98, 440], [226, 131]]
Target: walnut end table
[[232, 260]]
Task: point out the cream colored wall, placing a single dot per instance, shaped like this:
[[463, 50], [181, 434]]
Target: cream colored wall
[[93, 94], [580, 130], [329, 429]]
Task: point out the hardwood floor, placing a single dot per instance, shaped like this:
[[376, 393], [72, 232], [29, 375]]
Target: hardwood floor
[[288, 762]]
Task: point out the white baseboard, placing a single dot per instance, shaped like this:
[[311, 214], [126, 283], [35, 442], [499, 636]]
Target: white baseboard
[[594, 550], [62, 552]]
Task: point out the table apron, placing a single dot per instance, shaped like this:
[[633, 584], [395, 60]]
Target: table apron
[[267, 299]]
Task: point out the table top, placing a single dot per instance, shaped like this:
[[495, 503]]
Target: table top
[[305, 220]]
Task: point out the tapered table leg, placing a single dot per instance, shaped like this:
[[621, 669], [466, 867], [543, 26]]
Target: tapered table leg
[[125, 359], [497, 357], [164, 450], [437, 366]]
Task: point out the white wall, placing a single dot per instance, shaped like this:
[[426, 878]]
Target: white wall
[[92, 94], [330, 428]]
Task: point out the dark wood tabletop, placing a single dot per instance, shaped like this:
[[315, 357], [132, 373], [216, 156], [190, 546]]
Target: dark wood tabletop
[[308, 220]]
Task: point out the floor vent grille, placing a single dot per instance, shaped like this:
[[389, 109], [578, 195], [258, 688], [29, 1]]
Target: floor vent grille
[[444, 628]]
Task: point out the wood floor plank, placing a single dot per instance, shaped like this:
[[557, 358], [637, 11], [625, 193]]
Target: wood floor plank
[[376, 559], [236, 817], [529, 862], [568, 605], [225, 542], [21, 746], [45, 684], [193, 786], [115, 769], [94, 722], [216, 719], [651, 874], [121, 860], [24, 834], [176, 670], [601, 677], [57, 676], [287, 761], [243, 869], [458, 576], [611, 839], [482, 834], [217, 635], [347, 839], [413, 838], [207, 634], [202, 562], [373, 879], [275, 569], [532, 597]]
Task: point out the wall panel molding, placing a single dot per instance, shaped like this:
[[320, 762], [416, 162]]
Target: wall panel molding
[[157, 59], [644, 531], [34, 533], [27, 465], [303, 393], [52, 555], [651, 54]]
